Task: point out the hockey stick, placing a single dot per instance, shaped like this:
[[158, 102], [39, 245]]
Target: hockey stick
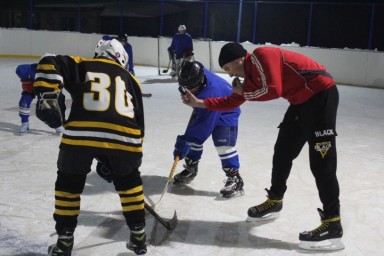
[[146, 94], [170, 224], [170, 177], [169, 64]]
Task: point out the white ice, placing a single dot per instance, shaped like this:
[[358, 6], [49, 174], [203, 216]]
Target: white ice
[[207, 224]]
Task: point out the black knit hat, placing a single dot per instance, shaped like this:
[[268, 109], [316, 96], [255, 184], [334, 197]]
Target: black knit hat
[[230, 52]]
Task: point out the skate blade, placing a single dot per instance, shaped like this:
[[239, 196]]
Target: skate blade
[[233, 195], [180, 182], [326, 245], [267, 217]]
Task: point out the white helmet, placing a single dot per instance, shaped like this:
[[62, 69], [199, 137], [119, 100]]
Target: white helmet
[[113, 50], [182, 28]]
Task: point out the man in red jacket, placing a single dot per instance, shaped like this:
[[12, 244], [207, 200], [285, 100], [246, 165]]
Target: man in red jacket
[[270, 73]]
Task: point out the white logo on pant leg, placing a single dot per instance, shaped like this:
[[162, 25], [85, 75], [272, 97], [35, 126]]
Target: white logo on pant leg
[[323, 147], [324, 133]]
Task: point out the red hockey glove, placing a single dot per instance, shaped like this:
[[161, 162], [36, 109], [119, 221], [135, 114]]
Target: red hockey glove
[[27, 85]]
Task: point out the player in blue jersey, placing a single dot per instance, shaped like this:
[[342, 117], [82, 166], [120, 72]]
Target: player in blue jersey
[[26, 73], [181, 49], [123, 39], [222, 125]]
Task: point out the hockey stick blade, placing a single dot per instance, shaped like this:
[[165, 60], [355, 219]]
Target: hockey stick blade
[[169, 64], [168, 224], [146, 94]]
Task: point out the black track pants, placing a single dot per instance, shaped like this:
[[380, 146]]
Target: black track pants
[[313, 122]]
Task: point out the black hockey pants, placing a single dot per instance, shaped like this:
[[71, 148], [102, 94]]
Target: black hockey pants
[[73, 168], [313, 122]]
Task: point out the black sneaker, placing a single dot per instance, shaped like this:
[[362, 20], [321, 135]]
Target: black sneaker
[[138, 241], [188, 174], [268, 210], [63, 246], [325, 237], [233, 187]]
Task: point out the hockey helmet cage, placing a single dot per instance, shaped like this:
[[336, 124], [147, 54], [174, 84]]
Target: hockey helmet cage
[[191, 75], [112, 49]]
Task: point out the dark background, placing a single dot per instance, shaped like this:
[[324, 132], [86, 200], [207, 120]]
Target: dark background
[[329, 24]]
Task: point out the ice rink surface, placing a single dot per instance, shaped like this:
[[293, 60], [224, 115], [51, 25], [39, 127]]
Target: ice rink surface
[[207, 224]]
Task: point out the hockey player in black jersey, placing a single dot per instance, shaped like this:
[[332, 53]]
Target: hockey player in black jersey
[[106, 122]]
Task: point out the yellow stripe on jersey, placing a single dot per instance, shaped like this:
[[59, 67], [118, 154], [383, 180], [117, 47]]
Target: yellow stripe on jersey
[[99, 144], [131, 191], [94, 135], [47, 85], [46, 67], [110, 126]]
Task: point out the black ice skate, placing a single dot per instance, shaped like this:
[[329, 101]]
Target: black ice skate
[[188, 174], [268, 210], [137, 241], [233, 186], [63, 246], [327, 237]]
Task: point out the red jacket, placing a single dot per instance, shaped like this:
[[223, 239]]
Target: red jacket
[[271, 73]]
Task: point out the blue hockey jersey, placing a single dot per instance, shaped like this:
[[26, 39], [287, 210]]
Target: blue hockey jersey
[[203, 122], [181, 43]]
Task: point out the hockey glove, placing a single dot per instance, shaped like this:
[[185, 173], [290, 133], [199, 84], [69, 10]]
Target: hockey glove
[[187, 55], [48, 109], [182, 147], [104, 172], [171, 53], [237, 86], [182, 90]]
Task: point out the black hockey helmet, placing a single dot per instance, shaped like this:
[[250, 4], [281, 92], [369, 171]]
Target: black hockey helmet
[[191, 75], [123, 38]]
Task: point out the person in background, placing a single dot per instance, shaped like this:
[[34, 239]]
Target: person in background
[[106, 123], [26, 74], [270, 73], [181, 49], [222, 125], [123, 39]]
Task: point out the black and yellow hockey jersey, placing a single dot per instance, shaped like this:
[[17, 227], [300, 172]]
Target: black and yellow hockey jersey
[[107, 112]]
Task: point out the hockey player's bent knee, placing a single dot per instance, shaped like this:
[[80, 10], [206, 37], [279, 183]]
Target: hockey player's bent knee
[[124, 182], [69, 182]]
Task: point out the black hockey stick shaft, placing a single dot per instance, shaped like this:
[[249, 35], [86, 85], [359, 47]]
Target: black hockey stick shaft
[[146, 94], [170, 224], [169, 64]]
